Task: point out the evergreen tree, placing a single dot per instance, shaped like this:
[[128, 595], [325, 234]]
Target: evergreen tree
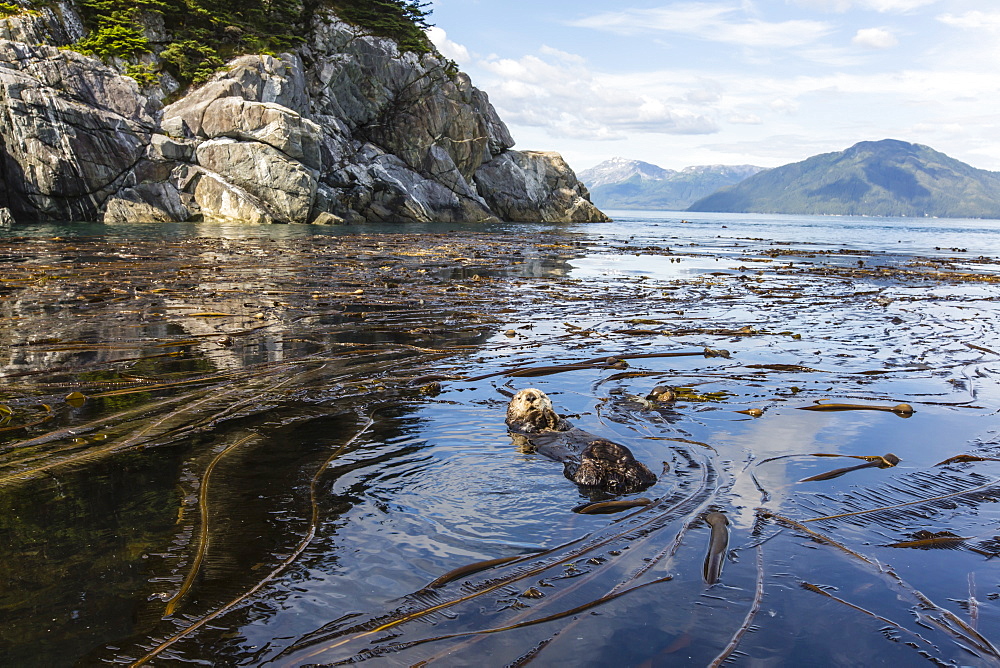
[[206, 33]]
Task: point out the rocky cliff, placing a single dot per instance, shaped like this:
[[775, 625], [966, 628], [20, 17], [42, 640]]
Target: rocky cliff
[[346, 128]]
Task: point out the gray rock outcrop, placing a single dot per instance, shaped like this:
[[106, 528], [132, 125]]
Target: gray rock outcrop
[[346, 129], [526, 186], [71, 130]]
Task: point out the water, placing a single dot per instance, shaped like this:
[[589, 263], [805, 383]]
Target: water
[[279, 449]]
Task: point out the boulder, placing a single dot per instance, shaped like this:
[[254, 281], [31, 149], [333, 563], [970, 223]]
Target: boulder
[[276, 80], [325, 218], [383, 189], [163, 148], [6, 219], [414, 107], [146, 203], [534, 186], [214, 200], [264, 122], [284, 186], [183, 118]]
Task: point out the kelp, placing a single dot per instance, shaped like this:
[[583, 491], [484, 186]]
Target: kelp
[[201, 546], [883, 462], [924, 539], [941, 618], [638, 528], [609, 507], [747, 625], [902, 410], [966, 459], [895, 625], [718, 545], [197, 350], [278, 570], [924, 493], [469, 569]]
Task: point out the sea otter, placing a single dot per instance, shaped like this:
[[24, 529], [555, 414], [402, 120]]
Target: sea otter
[[588, 460]]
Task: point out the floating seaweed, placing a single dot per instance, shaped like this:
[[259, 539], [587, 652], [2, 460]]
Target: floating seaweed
[[239, 430]]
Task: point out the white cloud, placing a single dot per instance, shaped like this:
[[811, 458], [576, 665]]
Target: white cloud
[[448, 48], [875, 38], [716, 22], [825, 5], [883, 6], [816, 91], [949, 129], [557, 91], [974, 20], [784, 105], [896, 5], [565, 57], [745, 119], [780, 146]]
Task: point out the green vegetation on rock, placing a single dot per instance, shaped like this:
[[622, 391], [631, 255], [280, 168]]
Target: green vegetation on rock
[[7, 9], [401, 20], [200, 35]]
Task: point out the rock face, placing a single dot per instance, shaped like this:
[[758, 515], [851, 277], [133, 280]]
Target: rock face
[[527, 186], [345, 129], [70, 132]]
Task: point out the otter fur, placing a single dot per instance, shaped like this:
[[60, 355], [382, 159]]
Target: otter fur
[[588, 460]]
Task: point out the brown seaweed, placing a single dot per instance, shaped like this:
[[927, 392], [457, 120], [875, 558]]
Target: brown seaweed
[[718, 544], [469, 569], [184, 368], [924, 539], [744, 628], [883, 462], [609, 507], [902, 410]]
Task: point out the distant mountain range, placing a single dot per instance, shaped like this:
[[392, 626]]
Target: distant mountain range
[[872, 178], [620, 183]]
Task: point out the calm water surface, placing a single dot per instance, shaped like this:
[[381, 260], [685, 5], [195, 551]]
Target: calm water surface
[[285, 434]]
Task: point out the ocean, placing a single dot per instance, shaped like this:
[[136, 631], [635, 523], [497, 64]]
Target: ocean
[[261, 445]]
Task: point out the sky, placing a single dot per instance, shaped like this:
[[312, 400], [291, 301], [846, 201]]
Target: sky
[[758, 82]]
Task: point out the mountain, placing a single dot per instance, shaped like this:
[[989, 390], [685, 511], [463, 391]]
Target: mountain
[[324, 113], [872, 178], [618, 170], [620, 183]]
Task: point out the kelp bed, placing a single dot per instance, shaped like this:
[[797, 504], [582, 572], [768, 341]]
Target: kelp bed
[[268, 451]]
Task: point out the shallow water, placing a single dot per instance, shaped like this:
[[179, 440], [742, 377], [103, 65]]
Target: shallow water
[[278, 448]]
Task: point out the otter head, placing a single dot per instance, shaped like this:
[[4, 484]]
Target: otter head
[[531, 411], [611, 467], [662, 394]]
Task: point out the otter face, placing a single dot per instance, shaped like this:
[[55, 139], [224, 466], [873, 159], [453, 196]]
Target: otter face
[[612, 467], [662, 393], [531, 411]]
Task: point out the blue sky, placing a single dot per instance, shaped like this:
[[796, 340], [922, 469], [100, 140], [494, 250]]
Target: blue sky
[[762, 82]]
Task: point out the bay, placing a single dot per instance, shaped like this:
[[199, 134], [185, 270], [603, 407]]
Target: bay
[[325, 456]]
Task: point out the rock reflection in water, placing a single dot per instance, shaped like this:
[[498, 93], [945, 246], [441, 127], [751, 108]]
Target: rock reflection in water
[[315, 384]]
